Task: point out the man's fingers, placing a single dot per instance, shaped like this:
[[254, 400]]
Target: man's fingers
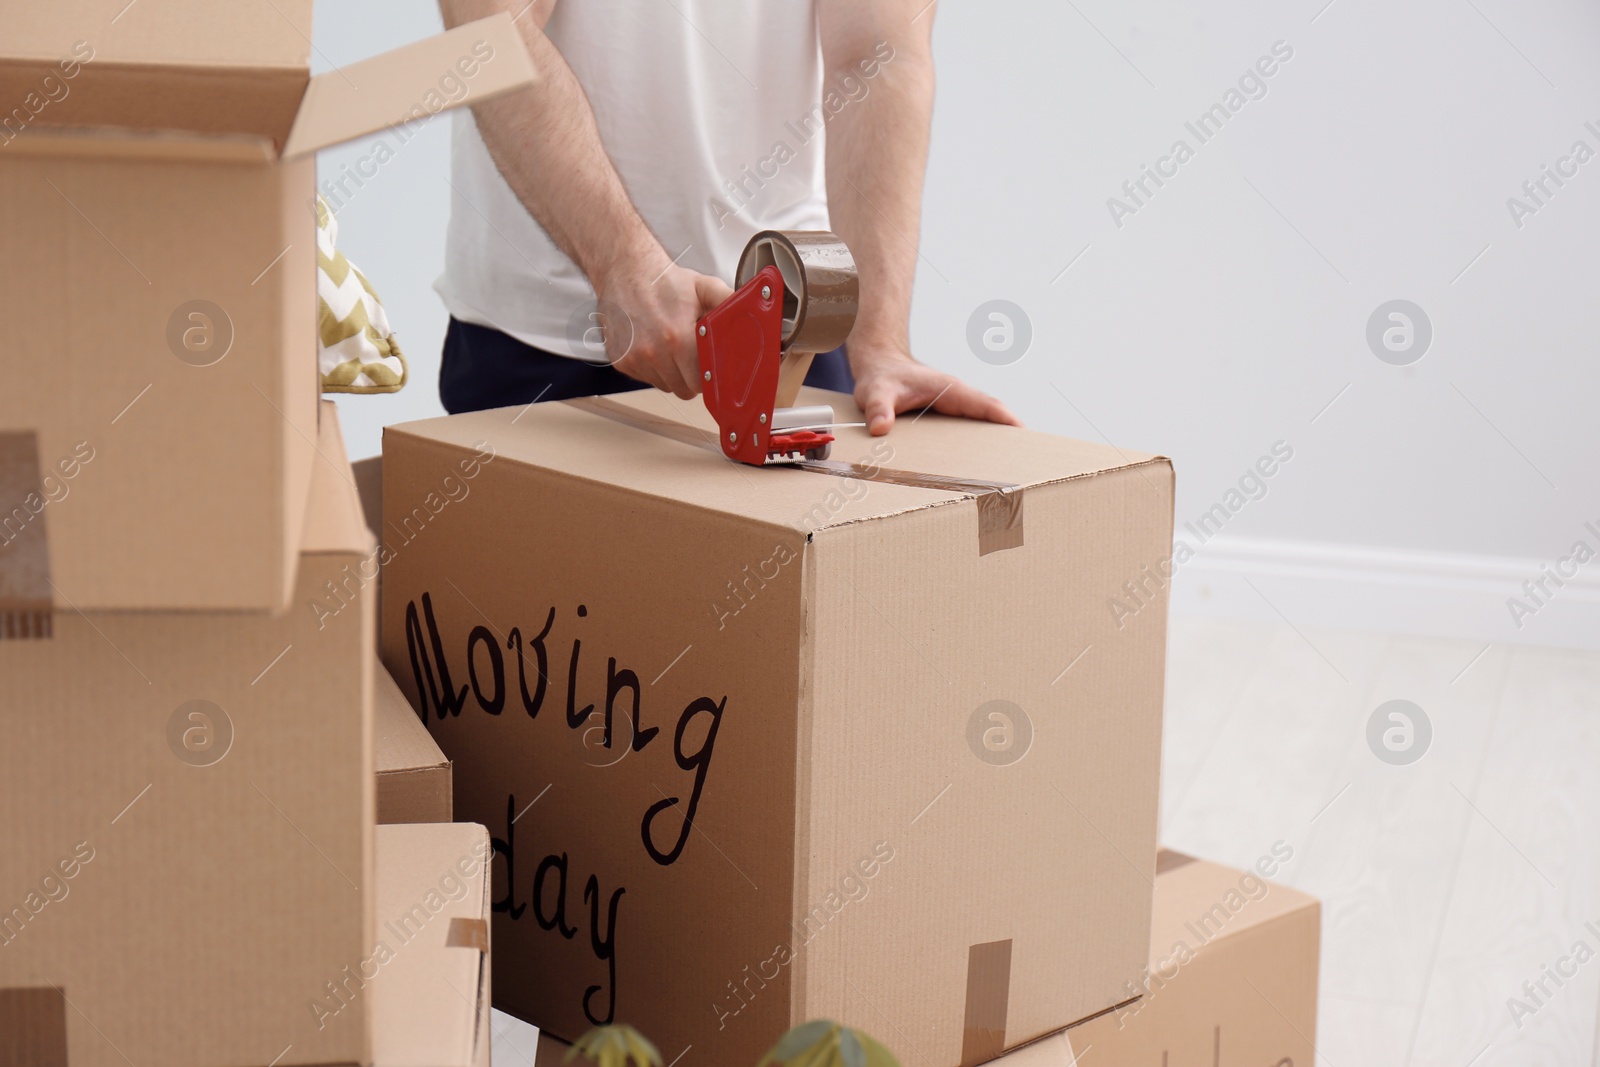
[[710, 291], [969, 403], [688, 368], [877, 400]]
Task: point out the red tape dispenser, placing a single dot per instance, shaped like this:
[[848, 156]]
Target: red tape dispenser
[[796, 294]]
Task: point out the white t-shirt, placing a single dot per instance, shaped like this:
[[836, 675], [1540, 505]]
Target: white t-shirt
[[711, 112]]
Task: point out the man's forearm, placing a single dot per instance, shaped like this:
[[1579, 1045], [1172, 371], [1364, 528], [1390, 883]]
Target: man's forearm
[[546, 144], [877, 153]]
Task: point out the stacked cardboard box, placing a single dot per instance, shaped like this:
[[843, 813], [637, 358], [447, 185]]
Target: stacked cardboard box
[[762, 746], [1232, 980], [191, 801], [861, 742], [188, 773]]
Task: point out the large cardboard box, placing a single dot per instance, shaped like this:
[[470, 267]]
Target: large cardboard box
[[762, 745], [1232, 981], [1232, 978], [431, 996], [188, 808], [413, 775], [158, 314]]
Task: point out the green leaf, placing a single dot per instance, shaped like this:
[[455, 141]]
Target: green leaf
[[645, 1053], [798, 1041], [850, 1051], [877, 1055], [615, 1046]]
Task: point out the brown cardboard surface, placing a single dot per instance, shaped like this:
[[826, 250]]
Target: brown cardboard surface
[[550, 1051], [834, 645], [196, 469], [431, 998], [369, 483], [1232, 980], [193, 384], [189, 804], [413, 775], [163, 32]]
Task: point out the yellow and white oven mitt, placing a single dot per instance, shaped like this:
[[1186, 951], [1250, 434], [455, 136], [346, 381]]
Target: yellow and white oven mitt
[[356, 350]]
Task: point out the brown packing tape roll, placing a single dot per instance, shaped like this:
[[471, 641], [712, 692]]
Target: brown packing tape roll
[[999, 503], [983, 1027], [33, 1027], [468, 933], [822, 292], [25, 587]]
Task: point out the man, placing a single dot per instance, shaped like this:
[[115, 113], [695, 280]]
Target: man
[[662, 134]]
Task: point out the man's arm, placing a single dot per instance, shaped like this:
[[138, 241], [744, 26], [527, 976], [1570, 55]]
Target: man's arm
[[877, 152], [546, 144]]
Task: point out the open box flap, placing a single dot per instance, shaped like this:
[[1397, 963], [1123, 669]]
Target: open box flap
[[466, 65]]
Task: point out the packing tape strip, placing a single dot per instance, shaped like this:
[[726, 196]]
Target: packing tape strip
[[33, 1027], [983, 1026], [819, 274], [468, 933], [999, 503], [25, 588]]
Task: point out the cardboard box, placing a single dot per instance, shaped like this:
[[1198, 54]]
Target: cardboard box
[[188, 804], [879, 752], [1232, 978], [431, 998], [369, 483], [413, 775], [158, 308], [551, 1051]]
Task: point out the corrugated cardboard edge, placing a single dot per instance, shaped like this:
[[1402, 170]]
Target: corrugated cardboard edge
[[390, 89], [155, 146], [481, 1032]]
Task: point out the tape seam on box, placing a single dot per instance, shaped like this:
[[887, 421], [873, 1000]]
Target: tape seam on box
[[999, 503], [983, 1026], [468, 933], [33, 1027], [26, 600]]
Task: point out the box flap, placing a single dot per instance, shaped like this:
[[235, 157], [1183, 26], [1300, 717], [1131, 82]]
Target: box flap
[[471, 63], [430, 1000], [254, 33], [1200, 901], [400, 741], [575, 440], [334, 522]]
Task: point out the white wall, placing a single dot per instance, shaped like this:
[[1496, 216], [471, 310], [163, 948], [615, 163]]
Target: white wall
[[1227, 312]]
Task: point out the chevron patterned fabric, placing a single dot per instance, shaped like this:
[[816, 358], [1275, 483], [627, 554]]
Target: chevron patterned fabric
[[356, 351]]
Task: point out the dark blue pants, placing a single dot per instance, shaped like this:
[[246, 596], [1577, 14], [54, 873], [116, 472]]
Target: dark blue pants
[[484, 368]]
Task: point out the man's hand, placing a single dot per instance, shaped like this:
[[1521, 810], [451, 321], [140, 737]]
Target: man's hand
[[658, 306], [889, 381]]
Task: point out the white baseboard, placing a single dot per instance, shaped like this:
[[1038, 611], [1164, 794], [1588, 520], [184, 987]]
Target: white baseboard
[[1431, 594]]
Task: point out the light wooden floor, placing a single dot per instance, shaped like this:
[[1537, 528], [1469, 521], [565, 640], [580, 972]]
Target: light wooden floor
[[1446, 884]]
